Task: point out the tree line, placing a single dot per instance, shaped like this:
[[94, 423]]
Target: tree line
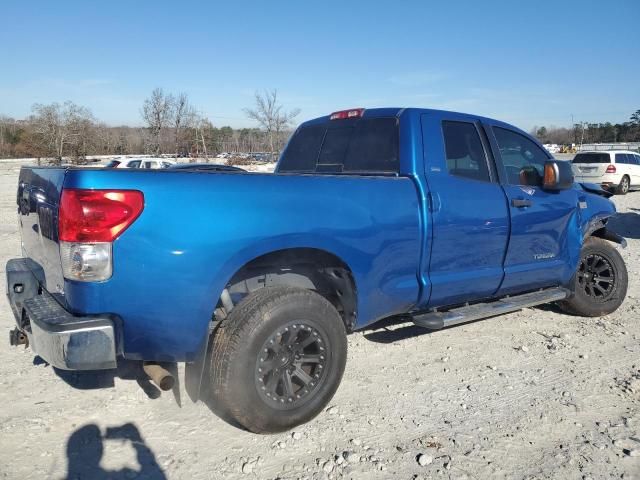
[[591, 132], [172, 125]]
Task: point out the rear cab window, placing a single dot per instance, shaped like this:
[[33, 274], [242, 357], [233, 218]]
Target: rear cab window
[[356, 146], [592, 158]]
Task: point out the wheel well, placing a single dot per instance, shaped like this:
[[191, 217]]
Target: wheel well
[[308, 268]]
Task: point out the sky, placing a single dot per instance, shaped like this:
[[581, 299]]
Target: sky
[[525, 62]]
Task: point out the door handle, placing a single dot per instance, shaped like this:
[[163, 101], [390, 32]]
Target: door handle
[[521, 202]]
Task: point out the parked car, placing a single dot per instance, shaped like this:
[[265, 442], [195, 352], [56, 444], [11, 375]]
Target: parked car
[[552, 147], [206, 166], [615, 170], [113, 164], [149, 163], [255, 280]]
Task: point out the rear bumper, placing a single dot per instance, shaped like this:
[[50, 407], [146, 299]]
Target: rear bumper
[[64, 340], [607, 181]]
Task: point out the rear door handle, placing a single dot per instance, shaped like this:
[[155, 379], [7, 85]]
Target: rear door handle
[[521, 202]]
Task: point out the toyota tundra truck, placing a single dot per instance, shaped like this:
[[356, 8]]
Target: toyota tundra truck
[[255, 280]]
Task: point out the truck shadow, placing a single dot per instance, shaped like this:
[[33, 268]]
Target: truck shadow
[[127, 370], [382, 331], [626, 224], [85, 449]]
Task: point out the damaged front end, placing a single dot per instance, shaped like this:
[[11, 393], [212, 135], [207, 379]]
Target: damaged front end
[[595, 211]]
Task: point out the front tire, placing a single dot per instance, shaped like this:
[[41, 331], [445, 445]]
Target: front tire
[[600, 284], [278, 359]]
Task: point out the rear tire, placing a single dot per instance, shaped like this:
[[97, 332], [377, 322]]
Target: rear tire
[[600, 284], [624, 186], [277, 359]]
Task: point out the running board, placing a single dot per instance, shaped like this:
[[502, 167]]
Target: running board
[[438, 320]]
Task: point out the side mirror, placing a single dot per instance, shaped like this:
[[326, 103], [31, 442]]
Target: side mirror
[[557, 175]]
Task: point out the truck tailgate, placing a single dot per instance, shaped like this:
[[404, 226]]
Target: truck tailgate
[[38, 200]]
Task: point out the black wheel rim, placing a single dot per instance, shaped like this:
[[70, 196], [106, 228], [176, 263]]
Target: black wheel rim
[[596, 277], [291, 365]]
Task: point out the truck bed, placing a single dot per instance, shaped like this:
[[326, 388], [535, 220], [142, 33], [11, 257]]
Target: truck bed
[[198, 228]]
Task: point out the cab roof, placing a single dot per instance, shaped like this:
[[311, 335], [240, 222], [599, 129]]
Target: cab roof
[[399, 111]]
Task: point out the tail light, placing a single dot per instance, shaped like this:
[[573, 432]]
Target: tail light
[[342, 114], [611, 168], [88, 222]]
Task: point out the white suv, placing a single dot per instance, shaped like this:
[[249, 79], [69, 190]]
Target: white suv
[[617, 170], [153, 163]]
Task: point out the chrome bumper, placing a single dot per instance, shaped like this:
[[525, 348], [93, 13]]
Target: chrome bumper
[[64, 340]]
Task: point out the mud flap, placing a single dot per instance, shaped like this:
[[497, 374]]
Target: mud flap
[[194, 371]]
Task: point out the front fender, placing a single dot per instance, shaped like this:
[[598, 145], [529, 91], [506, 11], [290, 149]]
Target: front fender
[[595, 211]]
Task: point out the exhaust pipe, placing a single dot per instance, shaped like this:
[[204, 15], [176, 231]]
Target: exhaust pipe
[[16, 337], [159, 375]]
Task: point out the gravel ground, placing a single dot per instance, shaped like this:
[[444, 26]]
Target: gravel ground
[[533, 394]]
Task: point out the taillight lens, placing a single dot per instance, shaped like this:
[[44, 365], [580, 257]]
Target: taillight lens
[[86, 262], [611, 169], [94, 216]]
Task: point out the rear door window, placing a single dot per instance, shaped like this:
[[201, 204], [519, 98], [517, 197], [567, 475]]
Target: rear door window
[[621, 158], [465, 154], [367, 145], [134, 164]]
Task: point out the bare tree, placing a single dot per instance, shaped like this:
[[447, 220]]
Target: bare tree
[[60, 129], [48, 134], [271, 116], [11, 134], [81, 128], [202, 131], [157, 112], [184, 117]]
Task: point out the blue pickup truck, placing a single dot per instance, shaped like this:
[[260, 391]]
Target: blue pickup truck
[[255, 280]]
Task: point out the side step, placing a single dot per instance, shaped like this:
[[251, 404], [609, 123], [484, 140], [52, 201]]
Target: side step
[[438, 320]]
